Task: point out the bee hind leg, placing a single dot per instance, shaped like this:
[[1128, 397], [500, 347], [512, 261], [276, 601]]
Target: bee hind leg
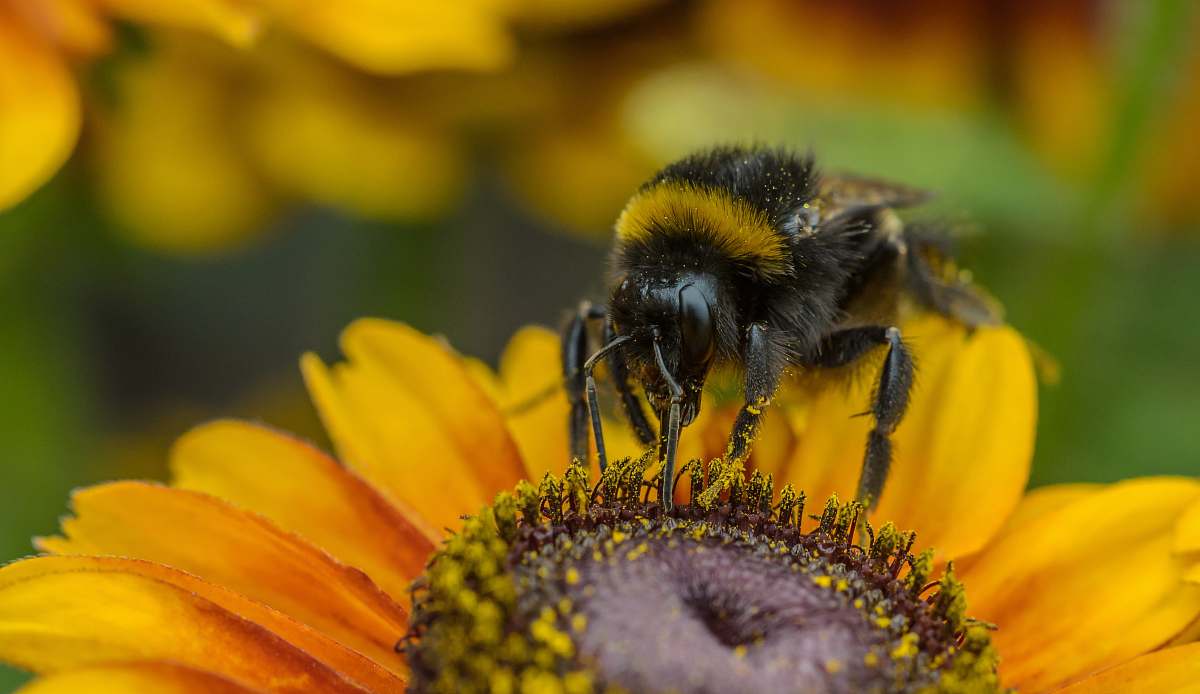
[[888, 401]]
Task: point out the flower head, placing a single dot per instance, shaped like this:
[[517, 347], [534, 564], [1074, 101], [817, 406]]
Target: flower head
[[439, 554]]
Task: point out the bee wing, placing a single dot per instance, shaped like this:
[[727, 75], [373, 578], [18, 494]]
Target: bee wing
[[840, 192]]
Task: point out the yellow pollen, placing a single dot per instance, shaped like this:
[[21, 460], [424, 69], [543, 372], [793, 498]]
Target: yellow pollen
[[907, 647], [572, 576], [823, 581], [833, 666], [619, 536], [870, 659], [740, 651]]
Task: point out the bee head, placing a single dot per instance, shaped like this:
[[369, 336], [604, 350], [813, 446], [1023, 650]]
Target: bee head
[[673, 334]]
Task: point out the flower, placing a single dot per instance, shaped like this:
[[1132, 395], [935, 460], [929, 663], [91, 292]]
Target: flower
[[268, 566], [41, 40]]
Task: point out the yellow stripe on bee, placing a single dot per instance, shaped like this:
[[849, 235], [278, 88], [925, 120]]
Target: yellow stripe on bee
[[736, 228]]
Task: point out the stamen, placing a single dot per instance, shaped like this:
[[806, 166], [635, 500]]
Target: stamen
[[586, 587]]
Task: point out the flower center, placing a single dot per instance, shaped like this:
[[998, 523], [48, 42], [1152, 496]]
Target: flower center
[[584, 590]]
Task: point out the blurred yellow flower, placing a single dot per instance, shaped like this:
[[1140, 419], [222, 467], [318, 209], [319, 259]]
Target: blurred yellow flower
[[322, 133], [372, 106], [40, 121], [39, 102], [918, 54], [166, 164], [267, 565]]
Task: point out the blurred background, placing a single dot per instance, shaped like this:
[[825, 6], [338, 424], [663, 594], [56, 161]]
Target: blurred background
[[193, 196]]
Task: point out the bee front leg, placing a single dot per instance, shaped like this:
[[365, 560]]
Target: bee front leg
[[630, 404], [888, 402], [764, 362]]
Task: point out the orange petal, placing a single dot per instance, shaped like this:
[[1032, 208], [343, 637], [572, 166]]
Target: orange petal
[[136, 677], [1087, 586], [39, 121], [350, 664], [1175, 670], [400, 36], [406, 413], [304, 491], [208, 537], [55, 617]]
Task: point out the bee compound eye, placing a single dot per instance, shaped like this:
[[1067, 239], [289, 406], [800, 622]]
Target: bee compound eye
[[695, 325]]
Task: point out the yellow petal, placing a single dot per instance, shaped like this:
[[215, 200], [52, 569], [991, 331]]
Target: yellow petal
[[1088, 586], [1045, 500], [350, 664], [1034, 506], [406, 413], [832, 435], [1187, 532], [141, 677], [234, 21], [167, 165], [530, 381], [205, 536], [977, 451], [53, 619], [39, 111], [962, 452], [400, 36], [304, 491], [1175, 670], [323, 133]]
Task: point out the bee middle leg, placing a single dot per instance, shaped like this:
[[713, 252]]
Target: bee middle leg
[[888, 401], [764, 364]]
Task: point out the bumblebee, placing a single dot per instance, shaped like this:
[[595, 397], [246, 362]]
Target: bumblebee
[[746, 257]]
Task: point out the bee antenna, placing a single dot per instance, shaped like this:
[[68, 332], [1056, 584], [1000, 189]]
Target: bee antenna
[[676, 389]]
